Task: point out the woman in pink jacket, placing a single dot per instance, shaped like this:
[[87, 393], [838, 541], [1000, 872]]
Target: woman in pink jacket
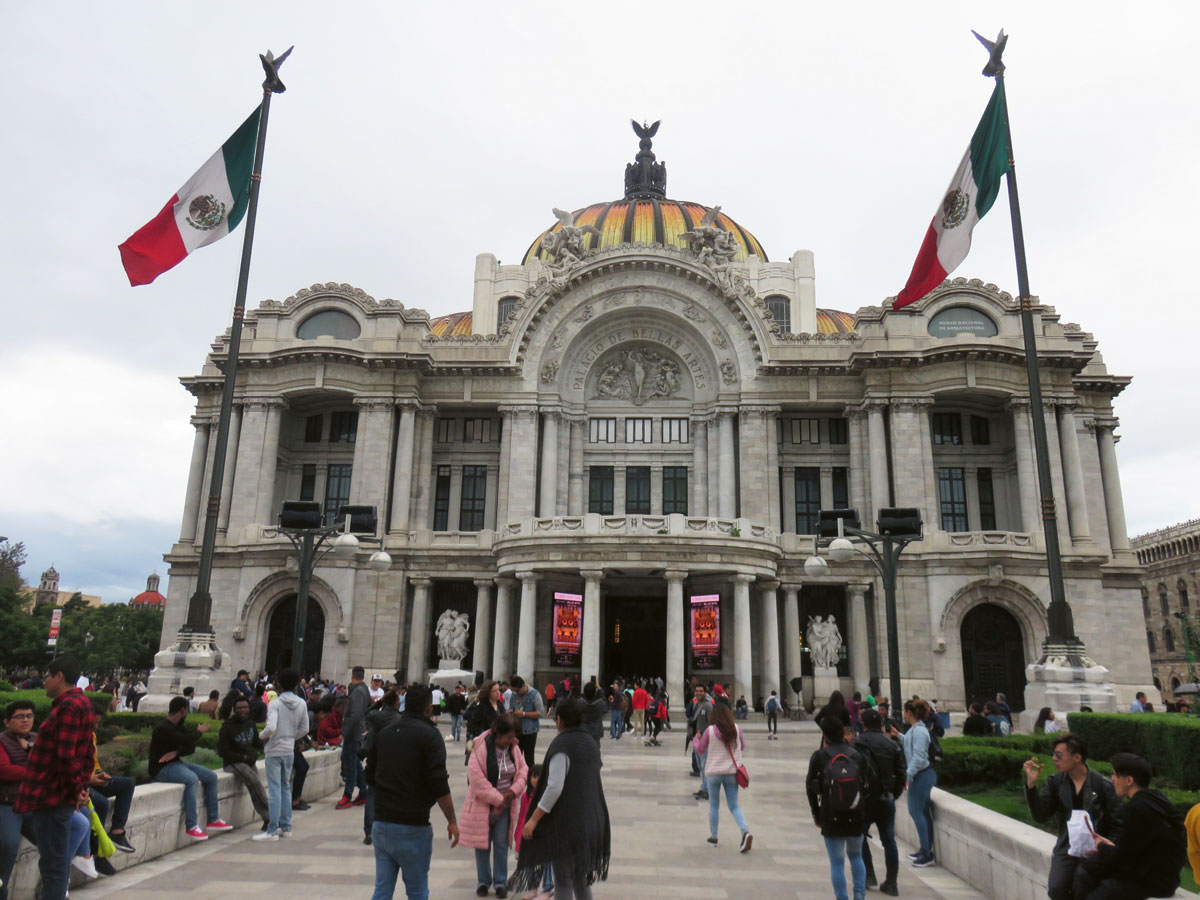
[[496, 778]]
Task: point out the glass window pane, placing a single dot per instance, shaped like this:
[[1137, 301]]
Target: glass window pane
[[337, 490], [600, 490], [473, 504], [952, 494], [441, 500], [675, 490], [808, 499], [637, 490]]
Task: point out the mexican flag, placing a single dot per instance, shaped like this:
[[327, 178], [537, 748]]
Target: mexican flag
[[205, 209], [971, 194]]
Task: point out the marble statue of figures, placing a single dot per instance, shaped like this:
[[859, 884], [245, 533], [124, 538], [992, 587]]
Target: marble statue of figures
[[458, 637], [824, 641], [565, 246], [451, 635]]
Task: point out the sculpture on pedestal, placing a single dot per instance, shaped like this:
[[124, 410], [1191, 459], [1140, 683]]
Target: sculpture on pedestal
[[824, 641], [451, 630]]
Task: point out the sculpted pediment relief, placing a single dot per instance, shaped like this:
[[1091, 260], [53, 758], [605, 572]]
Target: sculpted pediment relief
[[638, 374]]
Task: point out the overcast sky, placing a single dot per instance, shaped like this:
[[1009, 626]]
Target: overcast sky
[[413, 137]]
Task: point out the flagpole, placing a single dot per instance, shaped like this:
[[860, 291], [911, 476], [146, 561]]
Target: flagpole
[[197, 631]]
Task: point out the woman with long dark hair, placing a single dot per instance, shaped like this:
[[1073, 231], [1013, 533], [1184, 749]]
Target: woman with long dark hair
[[723, 743], [836, 707], [921, 778]]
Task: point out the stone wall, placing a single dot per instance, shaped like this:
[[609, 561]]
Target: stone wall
[[156, 825]]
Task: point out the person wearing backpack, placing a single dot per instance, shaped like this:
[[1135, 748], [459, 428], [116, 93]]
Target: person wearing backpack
[[839, 777], [772, 708], [880, 811], [921, 778]]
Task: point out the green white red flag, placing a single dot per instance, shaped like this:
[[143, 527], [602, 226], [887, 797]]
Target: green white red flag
[[971, 194], [208, 207]]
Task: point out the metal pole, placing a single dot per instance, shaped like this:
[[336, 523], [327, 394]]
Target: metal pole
[[889, 558], [306, 562]]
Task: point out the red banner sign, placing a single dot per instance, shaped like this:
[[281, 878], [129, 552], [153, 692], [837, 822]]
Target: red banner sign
[[55, 623]]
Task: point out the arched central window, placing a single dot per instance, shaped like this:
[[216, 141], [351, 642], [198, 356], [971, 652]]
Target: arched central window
[[781, 311], [1169, 639], [1163, 602], [1183, 594]]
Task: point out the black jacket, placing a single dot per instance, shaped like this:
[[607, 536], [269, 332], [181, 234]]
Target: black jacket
[[815, 785], [1100, 802], [168, 736], [238, 742], [1152, 847], [977, 726], [407, 767], [888, 755]]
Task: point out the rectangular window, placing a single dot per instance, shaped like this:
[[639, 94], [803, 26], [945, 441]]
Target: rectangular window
[[637, 490], [308, 482], [980, 431], [314, 428], [602, 431], [441, 499], [445, 431], [808, 499], [343, 426], [639, 431], [337, 490], [806, 431], [474, 492], [947, 428], [675, 431], [477, 431], [987, 501], [675, 489], [952, 494], [841, 488], [600, 489], [839, 433]]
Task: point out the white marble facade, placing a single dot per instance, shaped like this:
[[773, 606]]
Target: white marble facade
[[509, 460]]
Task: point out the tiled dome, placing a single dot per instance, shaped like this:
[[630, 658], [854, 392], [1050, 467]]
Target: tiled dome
[[829, 321]]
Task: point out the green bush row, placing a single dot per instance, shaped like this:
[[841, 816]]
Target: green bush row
[[42, 703], [1171, 743]]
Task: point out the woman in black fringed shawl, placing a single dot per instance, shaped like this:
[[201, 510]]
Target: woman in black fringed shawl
[[568, 827]]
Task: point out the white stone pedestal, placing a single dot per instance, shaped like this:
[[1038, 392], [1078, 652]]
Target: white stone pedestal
[[192, 661], [825, 682], [449, 674], [1064, 680]]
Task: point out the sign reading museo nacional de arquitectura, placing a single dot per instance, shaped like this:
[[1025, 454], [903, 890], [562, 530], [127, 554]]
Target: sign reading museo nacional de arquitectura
[[647, 414]]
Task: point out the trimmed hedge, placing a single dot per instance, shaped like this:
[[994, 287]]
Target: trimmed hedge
[[145, 721], [42, 703], [1170, 742]]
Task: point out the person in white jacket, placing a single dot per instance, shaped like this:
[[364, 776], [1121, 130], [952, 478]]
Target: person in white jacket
[[287, 720]]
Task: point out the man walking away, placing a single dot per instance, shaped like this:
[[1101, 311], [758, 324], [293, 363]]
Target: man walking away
[[456, 705], [239, 745], [838, 778], [526, 704], [57, 772], [888, 758], [170, 741], [616, 705], [354, 720], [287, 720], [406, 766], [772, 708]]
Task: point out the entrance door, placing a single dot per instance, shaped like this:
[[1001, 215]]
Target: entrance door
[[279, 636], [993, 655], [635, 640]]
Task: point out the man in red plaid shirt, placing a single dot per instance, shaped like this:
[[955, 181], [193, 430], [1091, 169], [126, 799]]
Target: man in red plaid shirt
[[57, 774]]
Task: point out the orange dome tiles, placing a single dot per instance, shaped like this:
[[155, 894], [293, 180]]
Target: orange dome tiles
[[834, 321], [648, 222], [829, 321], [452, 325]]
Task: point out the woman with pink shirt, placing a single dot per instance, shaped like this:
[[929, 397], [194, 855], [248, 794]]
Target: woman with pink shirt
[[723, 743], [496, 778]]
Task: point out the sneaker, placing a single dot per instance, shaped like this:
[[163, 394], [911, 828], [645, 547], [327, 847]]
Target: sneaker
[[301, 806], [924, 861], [701, 795], [501, 892], [196, 834], [265, 836], [712, 839], [747, 841], [121, 842], [86, 865], [360, 800], [285, 832], [871, 880], [694, 774], [219, 825], [481, 891], [915, 855], [103, 866], [344, 803], [889, 888], [367, 840]]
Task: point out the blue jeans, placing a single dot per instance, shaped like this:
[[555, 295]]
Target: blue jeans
[[456, 727], [52, 834], [616, 725], [496, 874], [838, 849], [11, 825], [120, 788], [403, 850], [729, 782], [352, 770], [702, 758], [80, 841], [920, 807], [279, 793], [189, 775], [882, 814]]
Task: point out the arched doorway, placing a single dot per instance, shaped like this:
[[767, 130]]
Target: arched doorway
[[279, 636], [993, 655]]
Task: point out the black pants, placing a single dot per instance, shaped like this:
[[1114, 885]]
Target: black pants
[[1115, 889], [528, 742], [772, 723], [1068, 880], [299, 773]]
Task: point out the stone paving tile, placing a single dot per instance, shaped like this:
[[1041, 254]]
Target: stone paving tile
[[659, 846]]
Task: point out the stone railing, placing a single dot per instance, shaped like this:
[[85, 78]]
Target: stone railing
[[673, 525], [156, 827]]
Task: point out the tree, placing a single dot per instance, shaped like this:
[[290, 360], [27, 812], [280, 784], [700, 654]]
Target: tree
[[12, 557]]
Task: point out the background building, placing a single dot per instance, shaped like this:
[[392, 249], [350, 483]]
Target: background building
[[150, 598], [47, 593], [1170, 561]]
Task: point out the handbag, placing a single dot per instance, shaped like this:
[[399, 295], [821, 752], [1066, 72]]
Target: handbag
[[743, 777]]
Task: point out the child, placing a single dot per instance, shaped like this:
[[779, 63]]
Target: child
[[547, 891]]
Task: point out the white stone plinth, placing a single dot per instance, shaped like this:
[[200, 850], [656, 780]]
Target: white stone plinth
[[449, 674], [201, 666], [1065, 683], [825, 682]]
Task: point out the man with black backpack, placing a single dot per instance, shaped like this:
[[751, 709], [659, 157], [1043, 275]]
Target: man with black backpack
[[887, 756], [840, 779]]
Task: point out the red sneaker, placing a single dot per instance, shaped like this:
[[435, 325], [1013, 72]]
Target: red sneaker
[[360, 800], [344, 803], [219, 825], [196, 834]]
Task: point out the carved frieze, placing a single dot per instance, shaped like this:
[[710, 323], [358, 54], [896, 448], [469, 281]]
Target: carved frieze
[[639, 374]]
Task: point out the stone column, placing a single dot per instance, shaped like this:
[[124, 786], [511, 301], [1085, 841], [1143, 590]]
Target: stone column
[[1056, 474], [192, 500], [676, 636], [860, 651], [575, 480], [423, 488], [251, 455], [789, 499], [502, 657], [548, 495], [911, 462], [699, 501], [714, 467], [856, 424], [1114, 505], [743, 659], [727, 479], [592, 612], [527, 627], [368, 484], [402, 473], [753, 466], [769, 659], [481, 660], [791, 633], [522, 463], [771, 428], [418, 630], [1027, 477], [1068, 439], [265, 508], [227, 479], [206, 486], [933, 507], [506, 422], [877, 453]]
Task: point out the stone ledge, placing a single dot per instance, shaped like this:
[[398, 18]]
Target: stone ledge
[[156, 824]]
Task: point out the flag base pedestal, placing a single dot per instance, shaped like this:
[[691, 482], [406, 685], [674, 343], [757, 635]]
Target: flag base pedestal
[[1065, 679], [193, 660]]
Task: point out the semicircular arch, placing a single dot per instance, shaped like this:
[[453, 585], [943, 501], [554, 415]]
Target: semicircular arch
[[1025, 606]]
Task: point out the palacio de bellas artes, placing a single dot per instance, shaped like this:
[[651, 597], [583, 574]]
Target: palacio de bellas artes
[[613, 460]]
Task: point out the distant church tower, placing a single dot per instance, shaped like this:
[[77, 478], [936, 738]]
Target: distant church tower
[[47, 591], [152, 583]]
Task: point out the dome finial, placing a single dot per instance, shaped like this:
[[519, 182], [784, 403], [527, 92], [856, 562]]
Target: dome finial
[[645, 178]]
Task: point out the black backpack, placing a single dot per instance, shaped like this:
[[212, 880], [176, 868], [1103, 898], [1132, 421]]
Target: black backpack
[[842, 784]]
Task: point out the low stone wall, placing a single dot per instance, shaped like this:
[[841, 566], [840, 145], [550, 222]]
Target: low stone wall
[[156, 825]]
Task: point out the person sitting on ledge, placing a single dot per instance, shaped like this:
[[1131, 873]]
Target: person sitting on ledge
[[740, 709], [170, 741], [239, 746]]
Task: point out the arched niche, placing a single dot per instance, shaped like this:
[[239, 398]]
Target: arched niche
[[1025, 606], [275, 589]]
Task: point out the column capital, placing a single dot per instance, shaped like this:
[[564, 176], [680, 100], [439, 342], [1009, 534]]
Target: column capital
[[591, 574], [482, 583], [744, 578], [676, 575], [201, 421], [875, 404], [916, 403], [420, 581], [529, 577], [504, 581], [407, 404], [1109, 424], [572, 418], [769, 585], [1090, 425], [518, 409], [374, 403], [1017, 403], [858, 590], [790, 588], [854, 411], [427, 411]]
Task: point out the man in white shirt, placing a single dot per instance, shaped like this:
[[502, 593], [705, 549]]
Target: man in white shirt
[[376, 687], [438, 699]]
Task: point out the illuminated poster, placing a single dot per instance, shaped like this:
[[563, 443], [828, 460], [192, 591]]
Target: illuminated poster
[[706, 632], [568, 624]]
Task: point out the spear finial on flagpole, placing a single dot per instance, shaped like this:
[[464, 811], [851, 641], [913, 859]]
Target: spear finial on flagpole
[[995, 48]]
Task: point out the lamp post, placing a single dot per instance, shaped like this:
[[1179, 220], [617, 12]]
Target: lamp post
[[300, 523], [897, 528]]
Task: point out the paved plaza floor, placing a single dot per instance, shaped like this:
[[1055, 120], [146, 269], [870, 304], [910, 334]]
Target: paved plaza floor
[[658, 830]]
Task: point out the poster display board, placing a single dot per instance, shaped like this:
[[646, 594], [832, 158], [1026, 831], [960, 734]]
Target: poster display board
[[705, 628], [568, 629]]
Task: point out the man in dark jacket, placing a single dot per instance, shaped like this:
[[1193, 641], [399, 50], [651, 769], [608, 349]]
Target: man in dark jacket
[[841, 826], [406, 767], [170, 741], [1073, 786], [888, 759], [697, 719], [1145, 861], [976, 724], [354, 723], [238, 744]]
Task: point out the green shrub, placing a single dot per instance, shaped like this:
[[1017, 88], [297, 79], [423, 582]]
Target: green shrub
[[145, 721], [1026, 743], [1171, 743], [6, 686], [42, 703]]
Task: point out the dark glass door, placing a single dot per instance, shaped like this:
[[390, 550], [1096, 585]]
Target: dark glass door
[[993, 655]]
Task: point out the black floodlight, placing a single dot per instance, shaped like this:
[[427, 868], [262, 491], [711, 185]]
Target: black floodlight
[[300, 514], [902, 521], [827, 521], [363, 519]]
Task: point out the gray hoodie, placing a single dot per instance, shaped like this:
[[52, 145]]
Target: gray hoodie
[[287, 721]]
